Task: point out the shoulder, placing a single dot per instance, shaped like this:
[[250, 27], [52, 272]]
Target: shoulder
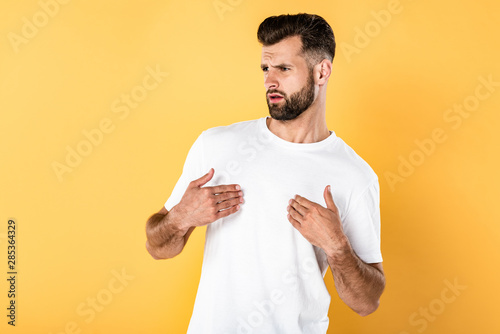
[[227, 132], [354, 164]]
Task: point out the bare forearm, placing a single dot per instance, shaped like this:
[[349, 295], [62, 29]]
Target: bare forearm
[[358, 284], [165, 235]]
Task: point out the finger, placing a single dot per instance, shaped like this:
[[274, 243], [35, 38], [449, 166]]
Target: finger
[[303, 201], [204, 179], [224, 188], [295, 223], [330, 204], [227, 212], [228, 195], [229, 203], [297, 206], [294, 214]]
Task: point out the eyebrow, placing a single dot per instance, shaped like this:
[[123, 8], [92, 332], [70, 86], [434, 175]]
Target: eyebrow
[[276, 66]]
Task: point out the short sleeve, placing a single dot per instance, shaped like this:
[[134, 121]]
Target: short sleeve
[[192, 170], [362, 225]]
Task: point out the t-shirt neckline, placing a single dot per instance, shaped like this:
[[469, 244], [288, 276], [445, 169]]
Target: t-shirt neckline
[[302, 146]]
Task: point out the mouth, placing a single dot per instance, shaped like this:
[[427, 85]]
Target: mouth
[[274, 98]]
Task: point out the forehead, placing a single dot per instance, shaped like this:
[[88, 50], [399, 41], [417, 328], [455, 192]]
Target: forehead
[[286, 50]]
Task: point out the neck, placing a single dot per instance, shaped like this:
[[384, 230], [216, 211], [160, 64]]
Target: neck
[[308, 127]]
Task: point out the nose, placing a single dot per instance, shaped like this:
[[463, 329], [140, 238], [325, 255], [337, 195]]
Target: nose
[[270, 80]]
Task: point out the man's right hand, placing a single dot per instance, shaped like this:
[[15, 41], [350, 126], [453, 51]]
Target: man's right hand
[[168, 231], [201, 206]]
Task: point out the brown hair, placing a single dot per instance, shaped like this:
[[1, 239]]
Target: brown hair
[[318, 41]]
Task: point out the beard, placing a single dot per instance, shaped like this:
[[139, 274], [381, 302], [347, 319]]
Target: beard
[[291, 107]]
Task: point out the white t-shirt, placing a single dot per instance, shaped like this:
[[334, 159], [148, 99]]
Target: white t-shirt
[[259, 274]]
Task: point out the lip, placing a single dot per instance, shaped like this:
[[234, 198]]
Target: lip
[[274, 97]]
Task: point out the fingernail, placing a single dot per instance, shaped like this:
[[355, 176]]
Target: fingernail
[[238, 187], [240, 193]]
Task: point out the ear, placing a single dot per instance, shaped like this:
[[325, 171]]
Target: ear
[[322, 71]]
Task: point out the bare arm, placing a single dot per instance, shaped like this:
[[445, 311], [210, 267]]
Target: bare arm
[[358, 284], [166, 238], [168, 231]]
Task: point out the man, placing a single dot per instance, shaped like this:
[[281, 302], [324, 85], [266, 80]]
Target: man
[[284, 199]]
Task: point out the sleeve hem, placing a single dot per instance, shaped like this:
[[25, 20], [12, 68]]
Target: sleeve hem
[[371, 258]]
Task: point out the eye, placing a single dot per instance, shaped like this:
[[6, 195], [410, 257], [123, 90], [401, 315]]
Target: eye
[[284, 69], [265, 69]]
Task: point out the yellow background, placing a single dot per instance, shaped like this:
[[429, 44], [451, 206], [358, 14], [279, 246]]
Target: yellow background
[[439, 225]]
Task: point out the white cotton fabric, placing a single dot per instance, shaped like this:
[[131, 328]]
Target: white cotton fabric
[[259, 274]]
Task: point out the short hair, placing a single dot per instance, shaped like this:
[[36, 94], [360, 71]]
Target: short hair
[[318, 41]]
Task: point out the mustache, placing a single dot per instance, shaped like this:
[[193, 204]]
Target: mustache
[[275, 91]]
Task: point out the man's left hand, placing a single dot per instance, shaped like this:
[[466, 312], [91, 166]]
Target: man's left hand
[[319, 225]]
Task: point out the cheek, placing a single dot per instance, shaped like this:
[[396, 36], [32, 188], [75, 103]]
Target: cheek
[[290, 84], [295, 87]]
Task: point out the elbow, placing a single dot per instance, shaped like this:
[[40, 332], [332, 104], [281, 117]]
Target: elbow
[[154, 253], [368, 308], [372, 303]]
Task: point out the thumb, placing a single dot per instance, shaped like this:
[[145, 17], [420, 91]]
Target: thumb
[[330, 204], [204, 179]]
